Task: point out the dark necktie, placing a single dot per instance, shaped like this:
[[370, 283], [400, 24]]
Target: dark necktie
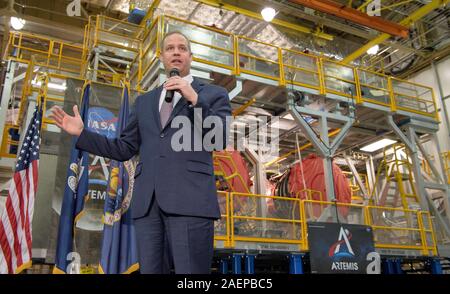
[[165, 112]]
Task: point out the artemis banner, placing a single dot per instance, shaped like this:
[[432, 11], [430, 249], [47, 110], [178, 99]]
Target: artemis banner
[[342, 248]]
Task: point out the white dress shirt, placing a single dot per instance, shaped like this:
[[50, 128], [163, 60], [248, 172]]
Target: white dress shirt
[[176, 96]]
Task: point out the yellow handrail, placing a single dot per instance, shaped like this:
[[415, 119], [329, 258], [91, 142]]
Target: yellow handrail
[[319, 80], [416, 234]]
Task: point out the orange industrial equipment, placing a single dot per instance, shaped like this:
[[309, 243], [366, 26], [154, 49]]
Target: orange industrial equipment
[[310, 184], [353, 15], [231, 172]]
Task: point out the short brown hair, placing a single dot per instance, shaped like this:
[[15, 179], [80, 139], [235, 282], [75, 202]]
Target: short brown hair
[[173, 33]]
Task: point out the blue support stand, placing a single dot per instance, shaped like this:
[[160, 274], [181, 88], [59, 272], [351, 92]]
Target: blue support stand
[[398, 266], [237, 263], [224, 266], [296, 264], [388, 267], [436, 267], [250, 264], [393, 266]]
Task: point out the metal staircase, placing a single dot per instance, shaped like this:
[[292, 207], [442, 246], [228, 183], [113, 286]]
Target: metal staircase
[[398, 188]]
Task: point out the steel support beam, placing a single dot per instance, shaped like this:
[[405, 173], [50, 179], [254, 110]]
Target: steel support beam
[[441, 97], [400, 134], [294, 10], [236, 90], [327, 160], [258, 16], [370, 173], [310, 134], [322, 144], [357, 177], [425, 155], [418, 14], [355, 16], [423, 195], [340, 137], [425, 202], [260, 171], [435, 140]]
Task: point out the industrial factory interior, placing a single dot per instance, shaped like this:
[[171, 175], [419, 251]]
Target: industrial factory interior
[[338, 155]]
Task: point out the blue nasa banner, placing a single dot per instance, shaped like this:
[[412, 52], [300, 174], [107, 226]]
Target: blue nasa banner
[[75, 195], [102, 121], [342, 249]]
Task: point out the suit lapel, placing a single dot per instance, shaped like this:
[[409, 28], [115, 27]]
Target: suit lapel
[[155, 107]]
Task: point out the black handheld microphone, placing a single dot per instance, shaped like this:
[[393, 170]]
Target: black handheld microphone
[[169, 93]]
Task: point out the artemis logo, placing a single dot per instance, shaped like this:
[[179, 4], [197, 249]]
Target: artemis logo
[[74, 8], [337, 250]]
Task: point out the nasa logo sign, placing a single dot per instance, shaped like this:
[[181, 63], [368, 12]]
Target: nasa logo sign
[[102, 121]]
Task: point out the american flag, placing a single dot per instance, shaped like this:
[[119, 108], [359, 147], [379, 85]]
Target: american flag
[[16, 218]]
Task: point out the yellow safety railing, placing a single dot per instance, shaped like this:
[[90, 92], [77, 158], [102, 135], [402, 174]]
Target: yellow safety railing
[[395, 168], [245, 218], [9, 146], [112, 32], [374, 87], [239, 54], [234, 173], [259, 59], [222, 226], [401, 174], [356, 192], [309, 194], [52, 54], [120, 39], [412, 97], [209, 45], [339, 79], [249, 222], [348, 213], [149, 53], [397, 228], [301, 69]]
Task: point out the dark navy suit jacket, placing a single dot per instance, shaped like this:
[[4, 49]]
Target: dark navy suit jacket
[[183, 182]]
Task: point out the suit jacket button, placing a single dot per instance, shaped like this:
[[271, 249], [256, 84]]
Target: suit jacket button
[[162, 135]]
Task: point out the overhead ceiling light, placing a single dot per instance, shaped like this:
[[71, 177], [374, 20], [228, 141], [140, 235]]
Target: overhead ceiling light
[[268, 13], [50, 85], [56, 86], [378, 145], [17, 23], [373, 50], [288, 116]]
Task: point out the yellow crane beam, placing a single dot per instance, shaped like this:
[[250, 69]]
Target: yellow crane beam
[[275, 21], [418, 14]]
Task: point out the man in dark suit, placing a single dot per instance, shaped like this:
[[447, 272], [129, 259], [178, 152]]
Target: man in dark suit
[[174, 199]]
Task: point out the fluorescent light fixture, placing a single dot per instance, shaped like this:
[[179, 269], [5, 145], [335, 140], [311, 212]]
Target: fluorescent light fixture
[[378, 145], [373, 50], [54, 86], [17, 23], [268, 13], [288, 116], [57, 86]]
